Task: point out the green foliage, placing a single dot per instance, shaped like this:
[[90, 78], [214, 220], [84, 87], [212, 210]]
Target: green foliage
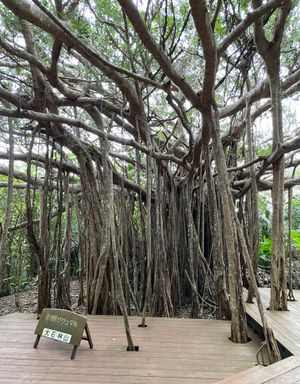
[[265, 218], [265, 251], [295, 213], [265, 222], [17, 285], [74, 256], [264, 151], [219, 27], [82, 26], [296, 239], [265, 248]]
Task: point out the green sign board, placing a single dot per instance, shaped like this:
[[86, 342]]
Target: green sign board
[[64, 326]]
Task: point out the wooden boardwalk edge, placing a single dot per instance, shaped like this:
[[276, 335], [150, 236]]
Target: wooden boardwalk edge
[[286, 328]]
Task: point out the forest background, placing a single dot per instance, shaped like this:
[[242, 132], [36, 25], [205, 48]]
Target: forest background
[[150, 150]]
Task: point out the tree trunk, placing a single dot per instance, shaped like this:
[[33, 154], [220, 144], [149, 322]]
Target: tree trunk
[[4, 288], [252, 205], [221, 293], [63, 298], [270, 50], [148, 242], [39, 246], [81, 252], [237, 307], [278, 298]]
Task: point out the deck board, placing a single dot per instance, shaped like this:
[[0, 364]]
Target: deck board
[[285, 324], [286, 329], [286, 371], [173, 351]]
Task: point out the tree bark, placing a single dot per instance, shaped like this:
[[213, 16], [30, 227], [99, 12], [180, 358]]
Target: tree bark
[[252, 205], [4, 288], [270, 52], [220, 286], [237, 307]]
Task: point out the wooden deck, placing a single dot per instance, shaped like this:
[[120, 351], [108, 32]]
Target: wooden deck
[[285, 324], [286, 328], [286, 371], [177, 351], [173, 351]]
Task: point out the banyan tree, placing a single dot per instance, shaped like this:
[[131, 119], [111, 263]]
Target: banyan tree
[[136, 123]]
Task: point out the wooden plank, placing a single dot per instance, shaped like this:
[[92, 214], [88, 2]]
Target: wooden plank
[[241, 376], [184, 351], [171, 351], [121, 380], [285, 324], [265, 374], [286, 328], [287, 377]]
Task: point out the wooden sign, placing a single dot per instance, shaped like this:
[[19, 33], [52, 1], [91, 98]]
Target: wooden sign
[[64, 326]]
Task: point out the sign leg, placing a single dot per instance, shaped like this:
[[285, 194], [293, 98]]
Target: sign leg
[[37, 340], [74, 352], [89, 337]]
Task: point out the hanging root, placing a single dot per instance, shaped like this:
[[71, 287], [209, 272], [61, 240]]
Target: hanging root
[[291, 296], [272, 347], [263, 345]]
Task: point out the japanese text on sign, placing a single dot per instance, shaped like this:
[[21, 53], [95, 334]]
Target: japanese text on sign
[[61, 320], [56, 335]]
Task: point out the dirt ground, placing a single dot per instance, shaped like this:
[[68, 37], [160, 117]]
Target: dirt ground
[[26, 301]]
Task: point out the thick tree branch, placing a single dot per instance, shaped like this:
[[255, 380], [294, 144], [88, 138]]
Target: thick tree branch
[[205, 32]]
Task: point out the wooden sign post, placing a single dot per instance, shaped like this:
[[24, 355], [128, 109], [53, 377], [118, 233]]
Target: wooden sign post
[[64, 326]]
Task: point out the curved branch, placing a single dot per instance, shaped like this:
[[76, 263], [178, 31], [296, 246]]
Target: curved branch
[[260, 92], [168, 68], [69, 140], [49, 23], [243, 25], [68, 167]]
